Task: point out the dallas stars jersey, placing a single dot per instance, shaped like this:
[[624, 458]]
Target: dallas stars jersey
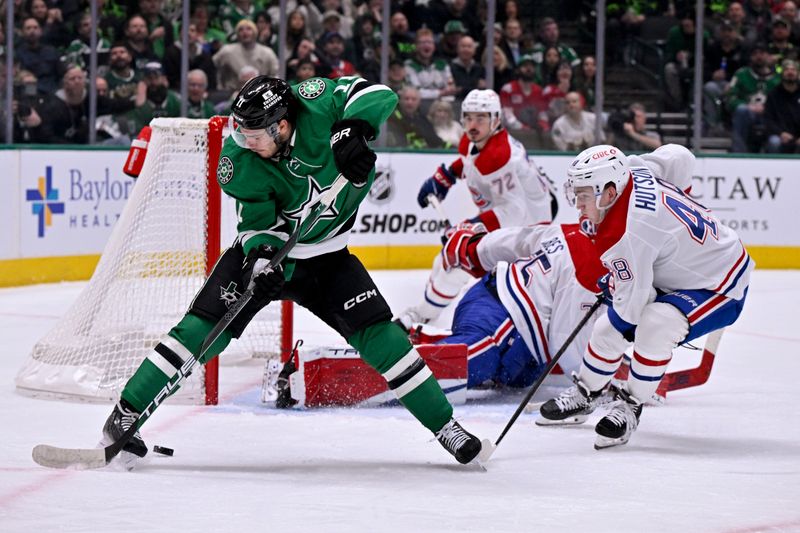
[[272, 196]]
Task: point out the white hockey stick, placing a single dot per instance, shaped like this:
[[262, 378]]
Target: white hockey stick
[[86, 458], [434, 201]]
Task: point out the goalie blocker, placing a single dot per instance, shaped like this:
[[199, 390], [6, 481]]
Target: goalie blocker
[[337, 376]]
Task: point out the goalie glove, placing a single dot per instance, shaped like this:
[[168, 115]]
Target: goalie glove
[[353, 157], [437, 185], [267, 283], [461, 251]]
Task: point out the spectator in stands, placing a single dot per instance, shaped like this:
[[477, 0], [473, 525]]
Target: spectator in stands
[[265, 32], [722, 58], [198, 59], [400, 39], [66, 117], [211, 38], [123, 80], [309, 22], [408, 127], [758, 16], [138, 42], [679, 57], [335, 22], [365, 41], [446, 127], [51, 21], [448, 44], [442, 12], [467, 73], [779, 46], [574, 130], [585, 80], [159, 29], [511, 41], [397, 75], [549, 36], [782, 112], [161, 101], [547, 69], [508, 10], [40, 59], [79, 49], [231, 12], [555, 94], [332, 62], [746, 97], [524, 107], [296, 29], [198, 105], [788, 12], [246, 73], [629, 130], [305, 49], [735, 15], [246, 51], [428, 74], [108, 130], [304, 69], [503, 73], [26, 105]]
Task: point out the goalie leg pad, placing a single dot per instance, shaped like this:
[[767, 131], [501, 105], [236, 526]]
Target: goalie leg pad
[[223, 287]]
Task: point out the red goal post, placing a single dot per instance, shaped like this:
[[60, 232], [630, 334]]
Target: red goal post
[[166, 241]]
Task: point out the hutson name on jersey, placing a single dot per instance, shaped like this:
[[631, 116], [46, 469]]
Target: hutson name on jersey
[[644, 189]]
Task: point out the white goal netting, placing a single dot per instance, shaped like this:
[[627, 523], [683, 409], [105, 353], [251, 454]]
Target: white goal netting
[[152, 266]]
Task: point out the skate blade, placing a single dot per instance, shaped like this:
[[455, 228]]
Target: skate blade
[[602, 442], [569, 421], [487, 449]]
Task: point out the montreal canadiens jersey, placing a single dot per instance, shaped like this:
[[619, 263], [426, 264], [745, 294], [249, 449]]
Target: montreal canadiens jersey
[[547, 280], [656, 237], [507, 189]]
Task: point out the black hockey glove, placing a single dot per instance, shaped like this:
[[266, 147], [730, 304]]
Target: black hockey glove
[[267, 284], [354, 158]]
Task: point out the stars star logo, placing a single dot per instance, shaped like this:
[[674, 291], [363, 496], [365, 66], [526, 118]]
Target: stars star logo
[[314, 191], [229, 294]]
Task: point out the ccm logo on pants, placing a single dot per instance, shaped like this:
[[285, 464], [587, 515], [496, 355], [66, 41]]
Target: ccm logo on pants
[[349, 304]]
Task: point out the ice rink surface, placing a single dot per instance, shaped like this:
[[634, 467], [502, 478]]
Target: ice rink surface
[[724, 457]]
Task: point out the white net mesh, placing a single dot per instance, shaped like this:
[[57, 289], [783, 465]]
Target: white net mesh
[[151, 268]]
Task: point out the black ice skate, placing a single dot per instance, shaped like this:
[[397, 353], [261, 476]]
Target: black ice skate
[[118, 423], [463, 445], [570, 407], [618, 425]]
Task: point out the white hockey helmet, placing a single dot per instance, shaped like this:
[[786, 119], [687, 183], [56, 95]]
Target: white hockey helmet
[[482, 101], [596, 167]]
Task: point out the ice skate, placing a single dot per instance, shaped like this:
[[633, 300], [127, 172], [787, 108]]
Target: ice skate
[[570, 407], [463, 445], [618, 425], [116, 425]]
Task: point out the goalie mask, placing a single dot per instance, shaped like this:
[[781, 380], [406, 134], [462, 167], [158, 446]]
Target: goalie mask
[[260, 105], [596, 167]]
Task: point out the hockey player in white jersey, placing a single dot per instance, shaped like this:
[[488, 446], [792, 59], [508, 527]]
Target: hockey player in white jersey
[[542, 279], [676, 273], [505, 186]]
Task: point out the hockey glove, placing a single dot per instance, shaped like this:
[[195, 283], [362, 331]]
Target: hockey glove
[[605, 284], [438, 185], [461, 251], [267, 284], [353, 157]]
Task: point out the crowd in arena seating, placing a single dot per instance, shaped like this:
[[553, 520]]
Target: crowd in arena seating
[[437, 55]]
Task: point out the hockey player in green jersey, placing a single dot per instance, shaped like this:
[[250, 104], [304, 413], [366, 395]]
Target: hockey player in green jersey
[[289, 144]]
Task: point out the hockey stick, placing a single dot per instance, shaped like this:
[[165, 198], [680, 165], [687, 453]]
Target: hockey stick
[[487, 448], [434, 201], [694, 377], [80, 458]]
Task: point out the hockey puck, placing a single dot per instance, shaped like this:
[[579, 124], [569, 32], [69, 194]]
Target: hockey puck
[[163, 450]]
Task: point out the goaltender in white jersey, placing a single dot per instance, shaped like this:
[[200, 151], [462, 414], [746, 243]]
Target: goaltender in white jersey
[[506, 187], [676, 273]]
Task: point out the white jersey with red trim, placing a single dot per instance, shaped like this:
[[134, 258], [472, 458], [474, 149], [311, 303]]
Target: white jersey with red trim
[[549, 289], [505, 186], [656, 237]]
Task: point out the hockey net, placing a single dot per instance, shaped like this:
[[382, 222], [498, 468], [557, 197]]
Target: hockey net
[[166, 240]]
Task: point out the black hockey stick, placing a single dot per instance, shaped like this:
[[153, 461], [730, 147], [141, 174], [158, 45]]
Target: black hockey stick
[[487, 451], [78, 458]]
